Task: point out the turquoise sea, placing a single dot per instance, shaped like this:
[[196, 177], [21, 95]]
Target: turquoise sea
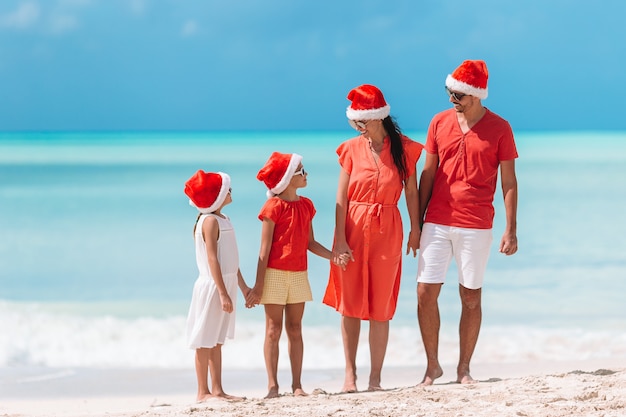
[[97, 258]]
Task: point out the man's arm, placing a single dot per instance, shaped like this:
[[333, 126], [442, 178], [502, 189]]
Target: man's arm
[[508, 244], [427, 180]]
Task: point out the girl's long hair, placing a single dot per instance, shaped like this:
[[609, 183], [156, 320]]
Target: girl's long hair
[[196, 224], [397, 151]]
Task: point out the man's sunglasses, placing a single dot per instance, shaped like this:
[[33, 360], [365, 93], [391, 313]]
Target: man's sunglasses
[[455, 95]]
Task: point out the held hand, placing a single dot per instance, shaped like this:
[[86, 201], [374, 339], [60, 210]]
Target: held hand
[[413, 243], [246, 292], [344, 258], [254, 297], [341, 260], [342, 249], [342, 254], [508, 244]]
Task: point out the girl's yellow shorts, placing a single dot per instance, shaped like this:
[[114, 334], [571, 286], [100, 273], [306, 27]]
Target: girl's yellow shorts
[[286, 287]]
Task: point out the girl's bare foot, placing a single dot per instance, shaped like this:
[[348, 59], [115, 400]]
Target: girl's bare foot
[[349, 389], [224, 396], [349, 384], [203, 397]]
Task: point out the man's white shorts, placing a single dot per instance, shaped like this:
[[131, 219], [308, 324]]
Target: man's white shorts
[[470, 248]]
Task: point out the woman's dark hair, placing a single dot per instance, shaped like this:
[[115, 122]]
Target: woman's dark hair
[[397, 151]]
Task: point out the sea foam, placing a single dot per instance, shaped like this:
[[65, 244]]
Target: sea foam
[[35, 336]]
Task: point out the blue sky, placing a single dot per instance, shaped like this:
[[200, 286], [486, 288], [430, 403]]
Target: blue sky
[[279, 64]]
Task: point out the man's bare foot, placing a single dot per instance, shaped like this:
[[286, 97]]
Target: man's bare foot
[[430, 376], [465, 378], [273, 393], [299, 392]]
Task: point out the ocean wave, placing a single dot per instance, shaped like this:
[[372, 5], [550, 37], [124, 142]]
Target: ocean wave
[[34, 336]]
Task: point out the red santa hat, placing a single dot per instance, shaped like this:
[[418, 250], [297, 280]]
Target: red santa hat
[[469, 78], [368, 103], [207, 190], [277, 172]]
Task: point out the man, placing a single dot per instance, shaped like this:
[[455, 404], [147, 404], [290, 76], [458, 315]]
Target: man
[[465, 147]]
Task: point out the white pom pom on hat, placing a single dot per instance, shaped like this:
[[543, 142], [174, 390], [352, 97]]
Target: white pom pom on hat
[[277, 172], [469, 78], [207, 190]]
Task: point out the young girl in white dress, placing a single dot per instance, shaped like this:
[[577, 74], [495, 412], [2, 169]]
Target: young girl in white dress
[[211, 316]]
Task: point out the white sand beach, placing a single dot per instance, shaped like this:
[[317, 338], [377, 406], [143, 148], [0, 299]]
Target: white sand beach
[[585, 388]]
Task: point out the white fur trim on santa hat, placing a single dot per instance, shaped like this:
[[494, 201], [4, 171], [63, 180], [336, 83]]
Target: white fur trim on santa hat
[[459, 86], [286, 179], [221, 196], [369, 114]]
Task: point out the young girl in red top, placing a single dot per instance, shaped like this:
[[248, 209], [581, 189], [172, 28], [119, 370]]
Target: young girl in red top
[[282, 284]]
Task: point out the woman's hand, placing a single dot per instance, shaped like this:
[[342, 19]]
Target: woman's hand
[[342, 254], [413, 243], [342, 259]]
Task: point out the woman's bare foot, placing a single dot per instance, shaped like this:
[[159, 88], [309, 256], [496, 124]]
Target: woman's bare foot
[[374, 383], [299, 392], [431, 375], [273, 393]]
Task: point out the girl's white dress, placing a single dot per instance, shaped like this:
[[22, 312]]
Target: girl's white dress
[[207, 324]]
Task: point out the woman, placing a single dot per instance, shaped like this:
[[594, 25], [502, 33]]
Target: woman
[[376, 166]]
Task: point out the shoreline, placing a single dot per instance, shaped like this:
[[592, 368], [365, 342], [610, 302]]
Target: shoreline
[[37, 392]]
